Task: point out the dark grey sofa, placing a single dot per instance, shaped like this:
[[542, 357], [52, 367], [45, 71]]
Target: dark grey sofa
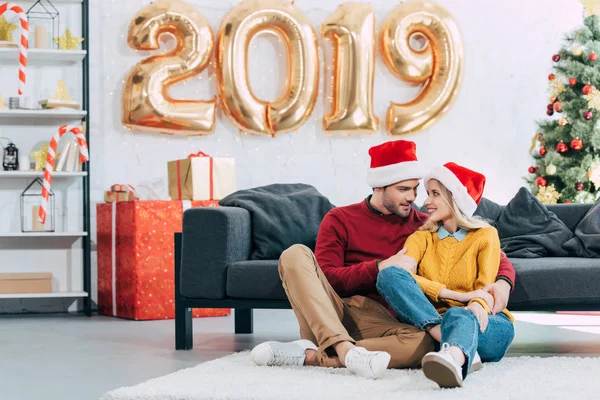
[[212, 269]]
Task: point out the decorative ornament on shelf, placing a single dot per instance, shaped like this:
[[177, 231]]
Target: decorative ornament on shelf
[[588, 115], [61, 98], [563, 121], [44, 22], [556, 58], [68, 41], [532, 169], [6, 31], [558, 107], [10, 157], [2, 103], [594, 174], [577, 144], [541, 181], [579, 186], [40, 157], [577, 51], [572, 81], [548, 195], [31, 198], [593, 98], [562, 147], [551, 169]]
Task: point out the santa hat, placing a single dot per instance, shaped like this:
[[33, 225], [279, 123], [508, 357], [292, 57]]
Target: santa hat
[[466, 185], [393, 162]]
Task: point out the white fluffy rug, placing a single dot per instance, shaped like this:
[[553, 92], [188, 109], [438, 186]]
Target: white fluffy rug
[[236, 377]]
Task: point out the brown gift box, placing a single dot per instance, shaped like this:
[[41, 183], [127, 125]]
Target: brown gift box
[[111, 197]]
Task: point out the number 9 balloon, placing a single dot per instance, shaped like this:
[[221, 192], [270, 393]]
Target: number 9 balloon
[[438, 65]]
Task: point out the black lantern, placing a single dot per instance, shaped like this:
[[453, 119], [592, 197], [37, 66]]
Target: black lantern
[[10, 158], [44, 22], [31, 199]]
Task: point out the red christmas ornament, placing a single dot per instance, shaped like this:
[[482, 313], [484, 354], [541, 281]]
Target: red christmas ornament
[[541, 181], [562, 147], [532, 170], [593, 56], [579, 186], [542, 151], [577, 144], [555, 58], [572, 81], [550, 106], [588, 115], [549, 111], [550, 77], [587, 89], [567, 202], [558, 106]]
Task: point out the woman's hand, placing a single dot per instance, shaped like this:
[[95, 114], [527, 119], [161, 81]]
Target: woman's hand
[[479, 294], [480, 314]]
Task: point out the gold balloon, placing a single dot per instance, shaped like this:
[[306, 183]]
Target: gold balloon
[[438, 65], [146, 104], [249, 113], [351, 28]]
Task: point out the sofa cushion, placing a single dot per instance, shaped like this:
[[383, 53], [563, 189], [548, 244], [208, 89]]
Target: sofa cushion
[[586, 242], [528, 230], [553, 281], [282, 215], [257, 279]]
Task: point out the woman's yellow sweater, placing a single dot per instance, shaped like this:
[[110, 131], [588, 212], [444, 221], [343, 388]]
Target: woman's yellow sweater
[[462, 266]]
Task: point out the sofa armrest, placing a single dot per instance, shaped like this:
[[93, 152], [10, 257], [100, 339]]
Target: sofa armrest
[[213, 237]]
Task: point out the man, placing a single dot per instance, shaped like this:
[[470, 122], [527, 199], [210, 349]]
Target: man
[[343, 320]]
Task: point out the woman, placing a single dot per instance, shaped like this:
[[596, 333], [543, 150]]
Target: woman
[[457, 255]]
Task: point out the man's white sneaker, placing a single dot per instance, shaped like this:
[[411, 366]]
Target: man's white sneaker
[[278, 353], [442, 368], [369, 364], [476, 365]]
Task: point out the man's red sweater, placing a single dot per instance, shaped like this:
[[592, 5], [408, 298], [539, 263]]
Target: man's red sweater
[[353, 238]]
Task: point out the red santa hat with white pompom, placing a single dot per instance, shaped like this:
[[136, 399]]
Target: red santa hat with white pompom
[[392, 162]]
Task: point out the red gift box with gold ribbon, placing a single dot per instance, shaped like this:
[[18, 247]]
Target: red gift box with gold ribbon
[[135, 258]]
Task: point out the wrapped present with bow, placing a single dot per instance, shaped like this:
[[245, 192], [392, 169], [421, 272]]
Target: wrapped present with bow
[[120, 192], [201, 177]]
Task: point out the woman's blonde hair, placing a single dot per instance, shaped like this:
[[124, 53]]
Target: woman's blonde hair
[[464, 222]]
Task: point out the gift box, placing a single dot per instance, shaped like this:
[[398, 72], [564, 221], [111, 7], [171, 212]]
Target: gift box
[[110, 197], [201, 177], [135, 258]]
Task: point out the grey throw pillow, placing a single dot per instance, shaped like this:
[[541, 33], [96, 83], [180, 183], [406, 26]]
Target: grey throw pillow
[[586, 242], [528, 230], [282, 215]]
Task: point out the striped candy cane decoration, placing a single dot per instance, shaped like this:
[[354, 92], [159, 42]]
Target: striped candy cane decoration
[[24, 44], [83, 156]]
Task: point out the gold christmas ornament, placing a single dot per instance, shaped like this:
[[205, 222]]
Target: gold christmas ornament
[[593, 98], [557, 86], [548, 195], [563, 121], [2, 103], [61, 92], [577, 51], [40, 157], [6, 29], [551, 169], [594, 174], [592, 7], [68, 41]]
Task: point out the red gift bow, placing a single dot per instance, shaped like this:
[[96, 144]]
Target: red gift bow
[[210, 173]]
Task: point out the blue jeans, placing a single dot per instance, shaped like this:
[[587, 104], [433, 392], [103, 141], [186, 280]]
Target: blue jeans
[[459, 326]]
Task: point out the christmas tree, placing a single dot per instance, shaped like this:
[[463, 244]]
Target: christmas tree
[[566, 147]]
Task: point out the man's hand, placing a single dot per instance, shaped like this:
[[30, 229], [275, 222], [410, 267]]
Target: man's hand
[[400, 260], [478, 294], [500, 290], [480, 314]]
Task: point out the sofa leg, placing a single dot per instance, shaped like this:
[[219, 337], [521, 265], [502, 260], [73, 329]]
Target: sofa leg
[[183, 314], [244, 320]]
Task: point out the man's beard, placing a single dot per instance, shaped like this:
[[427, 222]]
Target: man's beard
[[394, 208]]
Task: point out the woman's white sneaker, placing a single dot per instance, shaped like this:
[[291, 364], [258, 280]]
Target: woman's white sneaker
[[442, 368], [279, 353], [369, 364]]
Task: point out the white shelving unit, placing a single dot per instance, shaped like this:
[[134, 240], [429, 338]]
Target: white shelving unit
[[65, 252]]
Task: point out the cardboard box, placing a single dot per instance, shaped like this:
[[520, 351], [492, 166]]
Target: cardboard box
[[26, 283]]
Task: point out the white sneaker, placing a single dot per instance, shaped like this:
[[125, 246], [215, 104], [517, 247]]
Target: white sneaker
[[369, 364], [476, 365], [278, 353], [442, 368]]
